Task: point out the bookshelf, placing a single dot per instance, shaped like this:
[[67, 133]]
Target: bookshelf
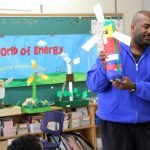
[[88, 131]]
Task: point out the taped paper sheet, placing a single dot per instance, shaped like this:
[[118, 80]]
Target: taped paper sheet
[[98, 12], [90, 43], [122, 37]]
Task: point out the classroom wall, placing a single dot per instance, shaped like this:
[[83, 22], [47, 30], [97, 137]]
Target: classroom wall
[[80, 6], [128, 8], [146, 4], [108, 6], [85, 6]]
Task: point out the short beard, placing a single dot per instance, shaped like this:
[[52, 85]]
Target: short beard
[[140, 42]]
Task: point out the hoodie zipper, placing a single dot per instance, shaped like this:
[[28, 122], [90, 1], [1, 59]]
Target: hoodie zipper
[[136, 69], [137, 64]]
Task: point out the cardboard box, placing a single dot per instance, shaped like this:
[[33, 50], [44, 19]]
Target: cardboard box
[[35, 127], [84, 121], [74, 123], [22, 128], [74, 115], [9, 131], [82, 111], [66, 124], [67, 116], [8, 124]]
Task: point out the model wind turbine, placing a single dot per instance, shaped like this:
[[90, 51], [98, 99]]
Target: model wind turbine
[[32, 79], [69, 75], [35, 105], [97, 37]]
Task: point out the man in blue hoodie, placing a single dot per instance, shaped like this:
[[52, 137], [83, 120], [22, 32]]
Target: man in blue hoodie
[[124, 106]]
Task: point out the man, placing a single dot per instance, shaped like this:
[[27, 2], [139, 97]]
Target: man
[[124, 106], [26, 142]]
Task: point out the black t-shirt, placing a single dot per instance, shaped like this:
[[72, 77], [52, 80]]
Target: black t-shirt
[[136, 57]]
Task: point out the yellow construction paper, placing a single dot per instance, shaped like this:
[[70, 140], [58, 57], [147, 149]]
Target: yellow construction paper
[[109, 31], [33, 64], [43, 76], [30, 80]]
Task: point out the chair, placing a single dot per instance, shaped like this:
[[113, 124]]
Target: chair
[[53, 136]]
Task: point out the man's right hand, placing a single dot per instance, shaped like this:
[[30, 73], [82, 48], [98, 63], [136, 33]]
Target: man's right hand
[[103, 57]]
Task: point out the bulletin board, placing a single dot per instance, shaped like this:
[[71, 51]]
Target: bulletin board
[[47, 25]]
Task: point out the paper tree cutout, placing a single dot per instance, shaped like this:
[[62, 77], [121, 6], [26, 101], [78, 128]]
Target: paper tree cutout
[[32, 79], [76, 93]]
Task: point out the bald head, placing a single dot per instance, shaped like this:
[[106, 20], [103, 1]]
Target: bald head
[[139, 16], [140, 29]]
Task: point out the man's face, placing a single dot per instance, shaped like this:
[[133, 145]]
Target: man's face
[[141, 31]]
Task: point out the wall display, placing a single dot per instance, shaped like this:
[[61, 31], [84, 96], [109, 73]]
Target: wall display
[[16, 53], [43, 39]]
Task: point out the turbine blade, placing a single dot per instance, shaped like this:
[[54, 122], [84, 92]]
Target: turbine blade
[[33, 63], [90, 43], [9, 80], [122, 37], [43, 76], [76, 60], [98, 12], [30, 80]]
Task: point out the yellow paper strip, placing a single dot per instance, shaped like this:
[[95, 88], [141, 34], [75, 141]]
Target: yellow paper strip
[[109, 30], [43, 76], [30, 80], [33, 64]]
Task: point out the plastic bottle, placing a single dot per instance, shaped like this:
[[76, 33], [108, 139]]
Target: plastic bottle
[[112, 48]]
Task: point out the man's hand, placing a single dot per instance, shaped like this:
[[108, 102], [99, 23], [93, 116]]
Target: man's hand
[[103, 57], [124, 84]]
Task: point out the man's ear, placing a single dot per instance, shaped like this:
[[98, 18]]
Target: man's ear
[[132, 28]]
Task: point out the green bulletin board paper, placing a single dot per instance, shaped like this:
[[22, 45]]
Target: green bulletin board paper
[[44, 25]]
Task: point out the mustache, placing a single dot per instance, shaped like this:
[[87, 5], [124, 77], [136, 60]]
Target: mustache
[[148, 34]]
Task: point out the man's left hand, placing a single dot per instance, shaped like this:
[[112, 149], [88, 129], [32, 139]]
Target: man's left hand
[[124, 84]]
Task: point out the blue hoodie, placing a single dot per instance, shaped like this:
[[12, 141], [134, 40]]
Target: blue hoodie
[[121, 105]]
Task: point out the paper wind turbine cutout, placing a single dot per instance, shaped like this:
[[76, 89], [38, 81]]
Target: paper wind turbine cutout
[[33, 79], [3, 85], [69, 63], [122, 37], [98, 12]]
